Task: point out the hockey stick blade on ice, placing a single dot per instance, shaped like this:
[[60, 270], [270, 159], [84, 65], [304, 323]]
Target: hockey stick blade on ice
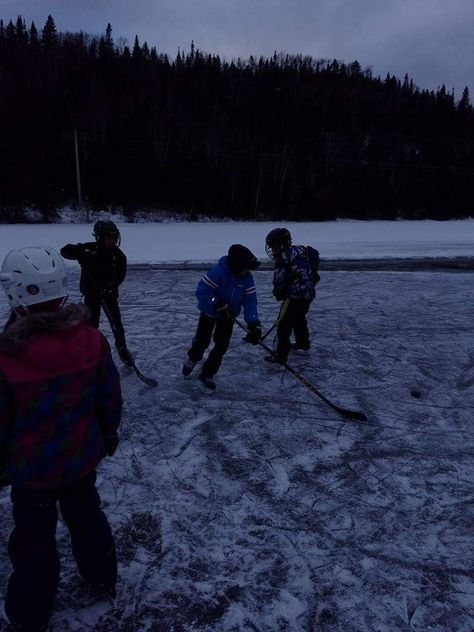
[[149, 381], [344, 412]]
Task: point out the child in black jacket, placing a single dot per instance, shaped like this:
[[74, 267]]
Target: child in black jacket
[[103, 270]]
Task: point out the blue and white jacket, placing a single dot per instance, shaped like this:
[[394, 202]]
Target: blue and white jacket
[[219, 286], [296, 273]]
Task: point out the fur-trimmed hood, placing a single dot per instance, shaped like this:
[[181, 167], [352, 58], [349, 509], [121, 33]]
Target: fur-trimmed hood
[[27, 328], [43, 346]]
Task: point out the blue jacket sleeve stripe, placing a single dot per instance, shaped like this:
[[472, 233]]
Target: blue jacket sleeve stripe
[[249, 301], [209, 281]]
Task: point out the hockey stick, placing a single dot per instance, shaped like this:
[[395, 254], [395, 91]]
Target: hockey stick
[[149, 381], [281, 313], [269, 331], [345, 412]]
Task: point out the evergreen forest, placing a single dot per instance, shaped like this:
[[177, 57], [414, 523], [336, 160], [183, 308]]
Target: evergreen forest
[[287, 137]]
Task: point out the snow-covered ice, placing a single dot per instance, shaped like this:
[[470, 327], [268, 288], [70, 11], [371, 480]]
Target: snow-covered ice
[[259, 508]]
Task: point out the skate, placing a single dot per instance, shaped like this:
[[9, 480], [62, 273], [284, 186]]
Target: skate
[[206, 384], [188, 367], [299, 350], [274, 359]]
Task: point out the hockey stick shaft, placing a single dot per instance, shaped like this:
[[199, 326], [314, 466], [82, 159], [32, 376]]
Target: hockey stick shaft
[[268, 332], [345, 412], [281, 313]]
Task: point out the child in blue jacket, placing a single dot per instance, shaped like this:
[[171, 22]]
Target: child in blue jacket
[[222, 292]]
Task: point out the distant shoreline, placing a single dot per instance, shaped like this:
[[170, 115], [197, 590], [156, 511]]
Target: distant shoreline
[[408, 264]]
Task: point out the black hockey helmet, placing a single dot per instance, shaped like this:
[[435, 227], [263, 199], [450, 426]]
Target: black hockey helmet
[[277, 240], [106, 228], [240, 258]]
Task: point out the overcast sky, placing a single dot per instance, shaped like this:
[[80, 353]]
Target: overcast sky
[[431, 40]]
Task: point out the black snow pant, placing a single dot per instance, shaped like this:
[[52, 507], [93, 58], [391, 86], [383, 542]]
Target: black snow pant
[[94, 303], [32, 547], [220, 331], [293, 320]]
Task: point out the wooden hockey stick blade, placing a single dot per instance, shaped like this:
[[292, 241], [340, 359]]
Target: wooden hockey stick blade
[[344, 412], [149, 381]]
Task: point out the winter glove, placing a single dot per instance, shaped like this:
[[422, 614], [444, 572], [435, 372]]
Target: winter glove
[[254, 334], [279, 295], [110, 444], [83, 253]]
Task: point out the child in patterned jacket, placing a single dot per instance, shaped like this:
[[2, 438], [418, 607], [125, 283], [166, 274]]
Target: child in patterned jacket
[[60, 407], [294, 281]]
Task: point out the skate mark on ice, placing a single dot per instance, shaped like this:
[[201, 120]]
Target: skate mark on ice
[[466, 379]]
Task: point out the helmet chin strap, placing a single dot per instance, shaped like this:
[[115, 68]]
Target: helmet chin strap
[[22, 310]]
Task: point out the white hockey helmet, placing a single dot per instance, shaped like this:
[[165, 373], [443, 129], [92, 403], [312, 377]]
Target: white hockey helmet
[[33, 275]]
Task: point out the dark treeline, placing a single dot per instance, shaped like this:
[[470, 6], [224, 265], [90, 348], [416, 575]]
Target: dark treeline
[[286, 137]]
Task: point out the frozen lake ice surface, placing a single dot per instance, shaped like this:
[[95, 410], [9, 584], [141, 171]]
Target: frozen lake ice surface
[[259, 508]]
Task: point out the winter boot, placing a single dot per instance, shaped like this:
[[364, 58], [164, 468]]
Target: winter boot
[[207, 384], [125, 355], [105, 590], [274, 359], [299, 350], [188, 367], [18, 627]]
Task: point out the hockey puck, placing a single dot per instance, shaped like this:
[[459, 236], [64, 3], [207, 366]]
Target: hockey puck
[[415, 393]]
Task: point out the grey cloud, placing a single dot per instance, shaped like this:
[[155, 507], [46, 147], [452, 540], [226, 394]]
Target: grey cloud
[[429, 39]]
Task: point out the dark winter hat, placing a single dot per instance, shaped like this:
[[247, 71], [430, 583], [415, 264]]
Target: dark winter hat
[[239, 258], [104, 228]]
